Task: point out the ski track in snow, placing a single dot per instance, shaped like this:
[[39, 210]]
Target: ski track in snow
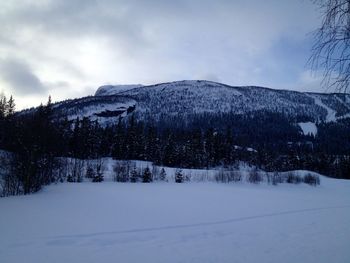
[[194, 222], [203, 224]]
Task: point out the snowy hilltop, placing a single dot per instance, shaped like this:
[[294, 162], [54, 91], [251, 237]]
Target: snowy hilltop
[[193, 97]]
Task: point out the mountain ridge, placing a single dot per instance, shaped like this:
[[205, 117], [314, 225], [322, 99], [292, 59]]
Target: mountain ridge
[[194, 97]]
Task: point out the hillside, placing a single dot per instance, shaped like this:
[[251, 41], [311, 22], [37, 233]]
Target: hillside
[[188, 98]]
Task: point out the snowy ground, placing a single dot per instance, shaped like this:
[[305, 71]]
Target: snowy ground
[[308, 128], [168, 222]]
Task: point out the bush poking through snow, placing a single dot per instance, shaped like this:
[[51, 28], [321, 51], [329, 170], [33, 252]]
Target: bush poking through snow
[[90, 173], [276, 178], [162, 175], [254, 176], [228, 176], [147, 176], [121, 171], [134, 175], [179, 177], [293, 178], [98, 177], [312, 179]]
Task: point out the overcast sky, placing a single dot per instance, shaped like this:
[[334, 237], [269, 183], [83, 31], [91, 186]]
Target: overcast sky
[[67, 48]]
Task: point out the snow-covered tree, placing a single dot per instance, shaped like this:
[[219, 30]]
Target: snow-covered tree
[[147, 176], [134, 175], [162, 175], [179, 177]]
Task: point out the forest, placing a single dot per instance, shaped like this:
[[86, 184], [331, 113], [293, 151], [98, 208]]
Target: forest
[[268, 141]]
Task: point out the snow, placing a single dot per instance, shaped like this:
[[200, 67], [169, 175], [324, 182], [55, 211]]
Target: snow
[[308, 128], [169, 222], [92, 111], [107, 90], [331, 114]]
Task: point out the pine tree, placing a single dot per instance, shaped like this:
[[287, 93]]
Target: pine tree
[[3, 103], [147, 176], [162, 175], [134, 176], [179, 178], [99, 174], [10, 107]]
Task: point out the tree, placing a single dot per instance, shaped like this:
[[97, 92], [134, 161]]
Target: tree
[[90, 173], [3, 103], [254, 176], [331, 50], [179, 177], [99, 172], [162, 175], [147, 176], [10, 107], [134, 175]]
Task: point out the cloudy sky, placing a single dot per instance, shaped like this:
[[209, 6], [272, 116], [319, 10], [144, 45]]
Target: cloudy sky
[[67, 48]]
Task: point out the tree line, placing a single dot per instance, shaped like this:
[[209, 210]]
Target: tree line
[[266, 140]]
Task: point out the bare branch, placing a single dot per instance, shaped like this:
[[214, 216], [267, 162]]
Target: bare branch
[[331, 51]]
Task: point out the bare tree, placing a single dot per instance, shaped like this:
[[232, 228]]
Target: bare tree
[[331, 50]]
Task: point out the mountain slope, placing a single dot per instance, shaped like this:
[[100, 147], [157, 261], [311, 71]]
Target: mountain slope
[[193, 97]]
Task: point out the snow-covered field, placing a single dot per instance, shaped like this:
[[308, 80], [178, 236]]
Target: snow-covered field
[[168, 222]]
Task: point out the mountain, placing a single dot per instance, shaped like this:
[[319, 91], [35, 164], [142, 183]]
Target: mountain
[[114, 89], [196, 124], [197, 97]]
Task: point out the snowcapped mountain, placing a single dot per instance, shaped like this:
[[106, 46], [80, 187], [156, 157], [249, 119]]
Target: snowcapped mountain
[[193, 97], [115, 89]]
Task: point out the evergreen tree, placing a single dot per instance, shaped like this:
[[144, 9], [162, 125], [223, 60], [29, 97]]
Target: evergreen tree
[[147, 176], [162, 175], [10, 107], [134, 175], [179, 177], [99, 174], [3, 104]]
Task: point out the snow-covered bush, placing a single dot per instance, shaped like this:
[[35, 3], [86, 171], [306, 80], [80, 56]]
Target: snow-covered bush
[[134, 175], [121, 172], [179, 177], [90, 173], [311, 179], [254, 176], [162, 175], [293, 178], [147, 176]]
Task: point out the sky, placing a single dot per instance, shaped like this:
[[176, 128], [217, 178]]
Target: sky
[[68, 48]]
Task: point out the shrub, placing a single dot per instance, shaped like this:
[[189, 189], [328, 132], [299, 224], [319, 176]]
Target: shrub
[[254, 176], [121, 171], [293, 179], [162, 175], [90, 173], [147, 176], [276, 178], [134, 176], [311, 179], [179, 178]]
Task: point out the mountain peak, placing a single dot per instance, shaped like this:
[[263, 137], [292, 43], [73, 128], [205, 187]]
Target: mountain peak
[[107, 90]]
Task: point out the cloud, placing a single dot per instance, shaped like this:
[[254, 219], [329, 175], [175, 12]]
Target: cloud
[[86, 43], [19, 77]]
